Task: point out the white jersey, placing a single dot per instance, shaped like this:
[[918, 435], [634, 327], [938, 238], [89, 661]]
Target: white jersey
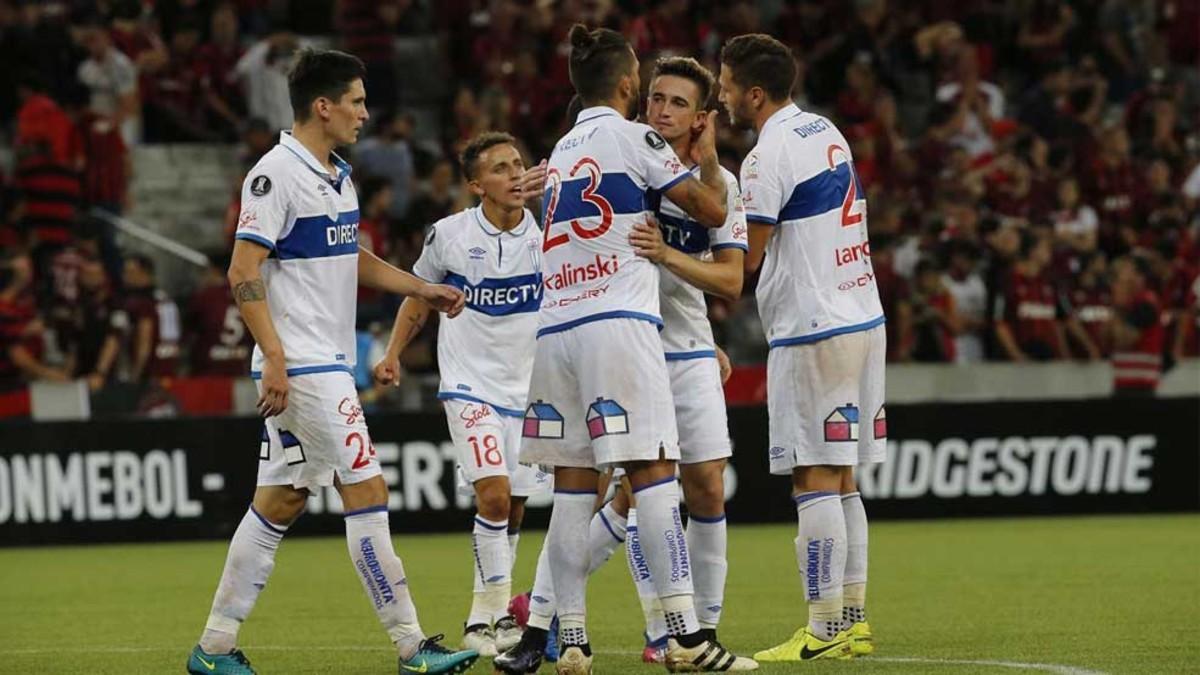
[[686, 332], [817, 280], [309, 221], [596, 187], [485, 354]]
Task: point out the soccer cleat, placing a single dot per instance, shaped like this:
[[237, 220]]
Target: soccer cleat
[[574, 660], [507, 634], [480, 637], [804, 646], [233, 663], [431, 659], [655, 651], [518, 608], [524, 658], [708, 656], [862, 642]]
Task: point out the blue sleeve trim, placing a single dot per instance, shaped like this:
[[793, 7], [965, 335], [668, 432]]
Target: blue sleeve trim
[[257, 239], [619, 314], [761, 220], [493, 528], [702, 519], [456, 396], [717, 247], [664, 481], [266, 523], [309, 370], [361, 512], [825, 335], [676, 181], [687, 356], [609, 527]]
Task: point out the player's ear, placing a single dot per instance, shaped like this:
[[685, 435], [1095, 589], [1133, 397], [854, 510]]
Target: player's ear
[[700, 119], [475, 188]]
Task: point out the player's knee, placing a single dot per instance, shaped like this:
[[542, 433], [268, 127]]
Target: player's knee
[[493, 499], [706, 496], [369, 493], [819, 478], [281, 506]]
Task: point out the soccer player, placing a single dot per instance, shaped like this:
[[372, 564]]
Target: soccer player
[[295, 270], [492, 252], [824, 323], [600, 393]]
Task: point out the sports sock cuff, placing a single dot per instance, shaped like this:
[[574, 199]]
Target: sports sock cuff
[[273, 527], [805, 500], [851, 495], [496, 526], [369, 514]]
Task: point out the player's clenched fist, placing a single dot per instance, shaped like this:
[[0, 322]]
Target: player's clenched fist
[[443, 298], [387, 370]]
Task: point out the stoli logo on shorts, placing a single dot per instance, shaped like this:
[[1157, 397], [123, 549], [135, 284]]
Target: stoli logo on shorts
[[472, 414], [351, 409]]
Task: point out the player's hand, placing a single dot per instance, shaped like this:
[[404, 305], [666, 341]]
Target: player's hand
[[704, 143], [387, 370], [274, 398], [723, 364], [446, 299], [533, 181], [647, 241]]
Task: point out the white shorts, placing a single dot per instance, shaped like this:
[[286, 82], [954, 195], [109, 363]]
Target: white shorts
[[600, 395], [488, 443], [825, 402], [699, 410], [322, 433]]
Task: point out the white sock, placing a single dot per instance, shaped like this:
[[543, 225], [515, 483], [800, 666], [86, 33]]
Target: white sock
[[854, 584], [707, 544], [606, 533], [493, 571], [542, 604], [660, 531], [247, 567], [567, 542], [656, 623], [514, 538], [382, 575], [821, 553]]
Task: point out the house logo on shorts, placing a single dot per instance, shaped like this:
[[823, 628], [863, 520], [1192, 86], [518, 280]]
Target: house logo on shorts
[[542, 420], [605, 417], [881, 423], [842, 424]]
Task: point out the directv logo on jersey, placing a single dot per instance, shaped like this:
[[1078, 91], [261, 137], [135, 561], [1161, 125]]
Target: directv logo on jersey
[[341, 234], [569, 275], [500, 297]]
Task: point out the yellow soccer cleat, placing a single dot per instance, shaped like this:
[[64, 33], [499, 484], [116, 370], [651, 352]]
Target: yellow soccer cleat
[[804, 646], [862, 642]]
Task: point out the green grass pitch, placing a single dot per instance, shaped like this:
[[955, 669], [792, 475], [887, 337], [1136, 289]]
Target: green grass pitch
[[1111, 594]]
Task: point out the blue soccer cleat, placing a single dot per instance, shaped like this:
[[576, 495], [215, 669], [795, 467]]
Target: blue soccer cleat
[[233, 663], [431, 658]]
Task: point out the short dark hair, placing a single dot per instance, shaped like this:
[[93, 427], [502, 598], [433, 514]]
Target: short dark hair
[[321, 73], [759, 60], [144, 262], [689, 69], [598, 60], [469, 159]]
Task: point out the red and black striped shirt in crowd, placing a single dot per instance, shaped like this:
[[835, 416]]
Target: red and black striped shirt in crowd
[[51, 195]]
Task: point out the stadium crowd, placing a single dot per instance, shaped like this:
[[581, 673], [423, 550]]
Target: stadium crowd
[[1032, 167]]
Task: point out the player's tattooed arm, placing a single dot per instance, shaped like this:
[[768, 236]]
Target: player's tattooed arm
[[409, 322], [249, 291]]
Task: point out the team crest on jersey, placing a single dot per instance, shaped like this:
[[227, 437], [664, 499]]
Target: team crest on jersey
[[606, 417], [842, 424], [535, 253], [542, 420], [260, 186], [881, 424], [655, 140]]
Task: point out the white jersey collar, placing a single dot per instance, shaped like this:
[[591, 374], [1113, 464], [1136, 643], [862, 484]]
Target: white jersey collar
[[302, 153], [596, 112], [490, 229], [786, 112]]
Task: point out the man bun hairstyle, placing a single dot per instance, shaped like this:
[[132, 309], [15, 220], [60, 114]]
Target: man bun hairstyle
[[321, 73], [689, 69], [598, 60], [759, 60], [469, 159]]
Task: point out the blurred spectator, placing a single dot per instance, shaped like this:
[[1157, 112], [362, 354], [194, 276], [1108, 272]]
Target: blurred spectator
[[389, 154], [1075, 224], [1136, 329], [964, 284], [934, 318], [1029, 315], [437, 200], [92, 324], [113, 82], [218, 341], [894, 295], [368, 28], [216, 62], [175, 106], [1113, 187], [982, 104], [21, 331], [148, 324], [1125, 27], [263, 72], [1091, 307]]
